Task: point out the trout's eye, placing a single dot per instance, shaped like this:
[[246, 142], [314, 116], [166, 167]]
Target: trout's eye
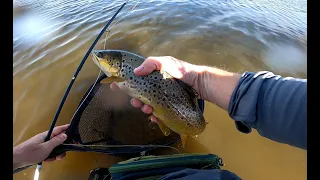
[[99, 54]]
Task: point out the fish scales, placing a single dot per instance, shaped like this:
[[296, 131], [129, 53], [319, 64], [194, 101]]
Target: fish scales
[[171, 102]]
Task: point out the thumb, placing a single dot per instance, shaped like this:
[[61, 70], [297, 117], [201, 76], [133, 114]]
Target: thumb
[[148, 66], [171, 65], [55, 141]]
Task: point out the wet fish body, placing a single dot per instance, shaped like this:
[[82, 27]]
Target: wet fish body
[[174, 103]]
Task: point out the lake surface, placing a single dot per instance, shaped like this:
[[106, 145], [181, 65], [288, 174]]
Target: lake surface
[[51, 37]]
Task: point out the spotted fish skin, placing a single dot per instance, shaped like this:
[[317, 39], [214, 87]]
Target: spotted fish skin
[[174, 103]]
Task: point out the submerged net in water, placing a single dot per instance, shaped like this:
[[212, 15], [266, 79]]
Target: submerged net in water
[[106, 122]]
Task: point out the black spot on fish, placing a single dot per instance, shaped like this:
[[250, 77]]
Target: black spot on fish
[[144, 83], [145, 90], [154, 85], [155, 77], [154, 95], [159, 86], [149, 99], [154, 90], [163, 99], [168, 106], [131, 78]]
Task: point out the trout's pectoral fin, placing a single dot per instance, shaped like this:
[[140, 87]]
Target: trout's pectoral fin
[[111, 79], [164, 129], [183, 138]]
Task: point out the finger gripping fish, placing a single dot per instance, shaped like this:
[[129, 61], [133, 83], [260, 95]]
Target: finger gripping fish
[[174, 103]]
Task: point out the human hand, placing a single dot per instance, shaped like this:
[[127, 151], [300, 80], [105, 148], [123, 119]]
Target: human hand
[[35, 150], [186, 72]]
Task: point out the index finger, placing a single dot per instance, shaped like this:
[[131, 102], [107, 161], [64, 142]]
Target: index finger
[[59, 129]]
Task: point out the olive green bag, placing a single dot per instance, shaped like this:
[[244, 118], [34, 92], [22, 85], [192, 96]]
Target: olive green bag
[[153, 167]]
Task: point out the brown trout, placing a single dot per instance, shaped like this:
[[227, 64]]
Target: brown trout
[[174, 103]]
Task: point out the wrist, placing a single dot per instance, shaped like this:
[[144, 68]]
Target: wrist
[[17, 158], [216, 85]]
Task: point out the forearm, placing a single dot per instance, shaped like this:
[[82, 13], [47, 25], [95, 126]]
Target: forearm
[[16, 159], [273, 105], [18, 163]]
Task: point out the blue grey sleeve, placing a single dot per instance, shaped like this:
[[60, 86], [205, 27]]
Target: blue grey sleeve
[[275, 106]]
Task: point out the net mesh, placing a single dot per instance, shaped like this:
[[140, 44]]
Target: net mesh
[[106, 122]]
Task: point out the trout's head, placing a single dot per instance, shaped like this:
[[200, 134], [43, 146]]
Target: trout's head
[[109, 61]]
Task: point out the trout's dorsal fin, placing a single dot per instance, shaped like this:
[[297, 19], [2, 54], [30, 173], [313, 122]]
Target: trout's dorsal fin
[[191, 92]]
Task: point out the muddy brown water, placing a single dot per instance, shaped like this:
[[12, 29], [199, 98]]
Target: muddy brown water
[[51, 37]]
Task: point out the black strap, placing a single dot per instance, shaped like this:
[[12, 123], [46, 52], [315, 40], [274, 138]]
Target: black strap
[[21, 169]]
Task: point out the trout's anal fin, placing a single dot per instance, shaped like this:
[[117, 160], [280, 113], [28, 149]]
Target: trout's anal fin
[[111, 80], [164, 129], [183, 138]]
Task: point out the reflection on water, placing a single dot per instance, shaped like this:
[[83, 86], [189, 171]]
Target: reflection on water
[[51, 37]]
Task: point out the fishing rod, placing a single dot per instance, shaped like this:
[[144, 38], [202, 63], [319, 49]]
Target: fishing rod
[[37, 172]]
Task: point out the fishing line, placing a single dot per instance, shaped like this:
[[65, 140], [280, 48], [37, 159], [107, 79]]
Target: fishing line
[[108, 30], [94, 84], [77, 72], [104, 46]]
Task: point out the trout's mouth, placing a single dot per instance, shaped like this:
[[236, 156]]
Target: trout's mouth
[[105, 67]]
